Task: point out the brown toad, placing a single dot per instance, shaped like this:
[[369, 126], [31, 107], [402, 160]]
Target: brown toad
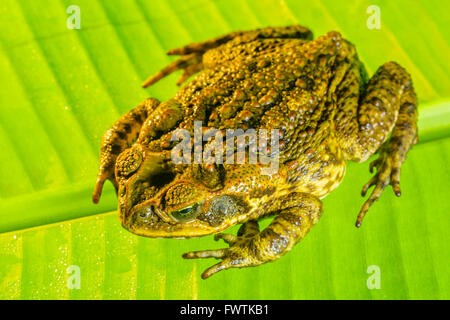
[[316, 92]]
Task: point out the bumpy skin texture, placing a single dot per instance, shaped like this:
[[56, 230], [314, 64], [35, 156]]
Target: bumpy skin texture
[[316, 92]]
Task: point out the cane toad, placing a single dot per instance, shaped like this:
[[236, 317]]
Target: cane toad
[[315, 92]]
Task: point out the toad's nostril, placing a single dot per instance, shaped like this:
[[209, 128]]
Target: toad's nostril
[[146, 212], [146, 216]]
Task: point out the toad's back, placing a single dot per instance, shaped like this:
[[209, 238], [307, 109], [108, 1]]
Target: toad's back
[[268, 83]]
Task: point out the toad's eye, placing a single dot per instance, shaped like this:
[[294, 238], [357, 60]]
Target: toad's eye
[[185, 213]]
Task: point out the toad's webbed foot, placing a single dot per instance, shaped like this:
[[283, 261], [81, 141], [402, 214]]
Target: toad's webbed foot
[[252, 248], [240, 254], [393, 153], [190, 63], [388, 172]]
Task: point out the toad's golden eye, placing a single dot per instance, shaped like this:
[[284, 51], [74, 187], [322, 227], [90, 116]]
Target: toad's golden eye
[[186, 213]]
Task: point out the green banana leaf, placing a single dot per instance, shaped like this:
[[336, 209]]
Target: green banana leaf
[[61, 88]]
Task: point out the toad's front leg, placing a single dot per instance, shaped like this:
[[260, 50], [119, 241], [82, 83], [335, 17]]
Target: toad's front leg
[[141, 125], [297, 213]]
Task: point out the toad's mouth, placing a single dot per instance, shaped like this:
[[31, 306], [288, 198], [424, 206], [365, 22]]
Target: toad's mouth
[[150, 208], [149, 220]]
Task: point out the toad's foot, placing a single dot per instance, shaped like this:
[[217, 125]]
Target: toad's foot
[[191, 55], [243, 251], [251, 247], [190, 63], [392, 156]]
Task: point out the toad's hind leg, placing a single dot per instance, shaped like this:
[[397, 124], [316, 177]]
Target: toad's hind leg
[[118, 138], [191, 60], [393, 153], [389, 103]]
